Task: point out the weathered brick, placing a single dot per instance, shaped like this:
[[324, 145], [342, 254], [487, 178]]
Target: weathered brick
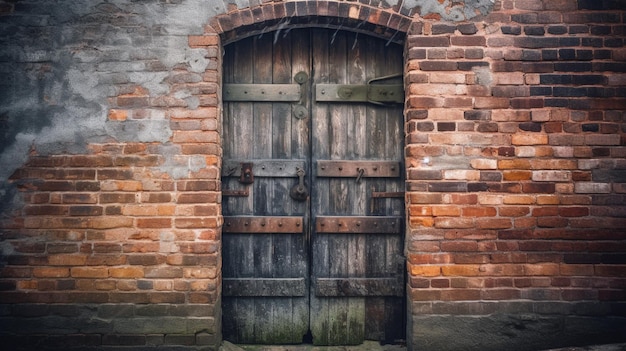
[[529, 139], [89, 272], [439, 41]]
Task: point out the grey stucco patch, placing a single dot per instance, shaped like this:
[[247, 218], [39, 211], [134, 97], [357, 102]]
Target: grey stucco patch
[[62, 61], [179, 166]]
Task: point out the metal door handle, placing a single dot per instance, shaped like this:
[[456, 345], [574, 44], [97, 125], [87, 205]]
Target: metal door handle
[[299, 191]]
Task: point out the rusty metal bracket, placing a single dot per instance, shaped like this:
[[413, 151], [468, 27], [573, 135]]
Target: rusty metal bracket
[[262, 92], [358, 224], [235, 193], [263, 224], [246, 176], [358, 169], [379, 94], [273, 168]]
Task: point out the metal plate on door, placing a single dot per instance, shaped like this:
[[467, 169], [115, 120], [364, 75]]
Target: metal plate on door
[[262, 92], [263, 168], [378, 94], [361, 169], [358, 224], [263, 224]]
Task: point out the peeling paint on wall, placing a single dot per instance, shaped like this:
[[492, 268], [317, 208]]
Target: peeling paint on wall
[[63, 59]]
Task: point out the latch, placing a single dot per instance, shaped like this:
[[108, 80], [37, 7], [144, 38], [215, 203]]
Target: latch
[[246, 177], [299, 191]]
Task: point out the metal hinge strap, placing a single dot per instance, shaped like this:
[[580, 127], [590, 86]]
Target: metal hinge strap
[[274, 168], [263, 224], [262, 92], [358, 225], [360, 169]]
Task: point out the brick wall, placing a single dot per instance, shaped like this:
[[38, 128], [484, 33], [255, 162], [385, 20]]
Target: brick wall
[[515, 156], [515, 133], [114, 240]]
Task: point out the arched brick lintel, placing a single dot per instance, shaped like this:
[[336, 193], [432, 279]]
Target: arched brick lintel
[[381, 22]]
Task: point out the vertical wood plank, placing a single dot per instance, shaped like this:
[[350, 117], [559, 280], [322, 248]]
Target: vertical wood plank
[[262, 131]]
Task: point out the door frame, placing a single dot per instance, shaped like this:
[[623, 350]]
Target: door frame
[[404, 144]]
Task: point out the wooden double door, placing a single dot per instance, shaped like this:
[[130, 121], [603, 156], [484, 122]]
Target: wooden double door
[[313, 189]]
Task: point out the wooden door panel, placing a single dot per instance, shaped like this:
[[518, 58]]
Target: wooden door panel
[[265, 266], [350, 266], [348, 257]]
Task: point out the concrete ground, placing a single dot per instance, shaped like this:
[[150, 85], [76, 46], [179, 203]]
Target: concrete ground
[[375, 346]]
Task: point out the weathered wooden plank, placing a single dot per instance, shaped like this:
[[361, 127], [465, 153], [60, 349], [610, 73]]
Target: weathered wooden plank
[[275, 168], [263, 224], [360, 169], [276, 287], [262, 131], [358, 224], [362, 287]]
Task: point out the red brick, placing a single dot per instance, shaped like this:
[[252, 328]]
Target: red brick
[[118, 115], [493, 223], [451, 222], [425, 102], [199, 247], [491, 102], [514, 164], [573, 211], [466, 270], [516, 175], [90, 272], [463, 199], [126, 272], [460, 294], [468, 41], [454, 246], [513, 211], [424, 246], [500, 294], [203, 40], [469, 258], [198, 197], [156, 222], [141, 246], [47, 272], [479, 211], [195, 137]]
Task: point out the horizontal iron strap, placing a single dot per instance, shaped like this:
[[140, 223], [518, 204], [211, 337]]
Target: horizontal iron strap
[[259, 287], [264, 167], [235, 193], [262, 92], [371, 169], [329, 287], [358, 224], [376, 93], [263, 224]]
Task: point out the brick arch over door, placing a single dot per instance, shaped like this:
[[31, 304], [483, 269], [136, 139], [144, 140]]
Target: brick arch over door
[[384, 22], [376, 22]]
